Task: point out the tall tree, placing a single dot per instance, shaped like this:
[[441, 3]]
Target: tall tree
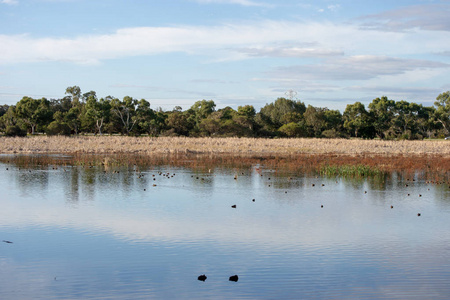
[[144, 116], [442, 113], [201, 110], [97, 111], [356, 119], [126, 111], [381, 111], [33, 112], [75, 93], [282, 111]]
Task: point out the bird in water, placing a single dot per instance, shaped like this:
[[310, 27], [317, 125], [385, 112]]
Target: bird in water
[[202, 277], [234, 278]]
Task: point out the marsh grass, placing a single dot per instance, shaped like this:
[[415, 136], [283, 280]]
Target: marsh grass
[[230, 146], [351, 171], [327, 157]]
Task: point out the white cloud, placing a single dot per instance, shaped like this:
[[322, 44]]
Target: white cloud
[[224, 42], [290, 52], [334, 7], [9, 2], [426, 17], [239, 2], [360, 67]]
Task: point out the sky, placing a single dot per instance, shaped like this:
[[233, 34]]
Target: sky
[[326, 53]]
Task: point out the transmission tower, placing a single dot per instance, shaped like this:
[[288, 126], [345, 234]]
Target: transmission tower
[[291, 94]]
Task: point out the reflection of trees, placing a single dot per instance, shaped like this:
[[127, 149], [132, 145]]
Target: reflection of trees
[[73, 185], [30, 179]]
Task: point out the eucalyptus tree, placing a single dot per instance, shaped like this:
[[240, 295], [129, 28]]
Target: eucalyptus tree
[[97, 112], [382, 113], [75, 94], [11, 124], [9, 117], [145, 116], [281, 112], [315, 120], [442, 113], [357, 120], [200, 111], [126, 112], [34, 112], [178, 123]]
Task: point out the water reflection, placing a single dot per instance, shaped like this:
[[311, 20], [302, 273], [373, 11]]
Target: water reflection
[[148, 232]]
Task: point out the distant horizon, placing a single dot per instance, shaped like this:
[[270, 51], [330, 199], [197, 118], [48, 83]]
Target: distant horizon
[[330, 53]]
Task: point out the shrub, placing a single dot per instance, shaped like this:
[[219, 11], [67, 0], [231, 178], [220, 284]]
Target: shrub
[[57, 128], [15, 130]]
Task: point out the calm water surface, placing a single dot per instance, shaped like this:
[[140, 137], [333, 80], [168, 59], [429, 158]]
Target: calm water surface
[[83, 233]]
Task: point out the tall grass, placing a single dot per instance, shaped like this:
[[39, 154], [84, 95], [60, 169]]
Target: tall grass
[[235, 146], [351, 171]]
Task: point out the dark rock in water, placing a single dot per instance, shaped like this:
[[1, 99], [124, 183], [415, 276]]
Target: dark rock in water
[[202, 277], [234, 278]]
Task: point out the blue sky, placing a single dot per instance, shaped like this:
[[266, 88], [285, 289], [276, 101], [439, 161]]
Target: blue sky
[[235, 52]]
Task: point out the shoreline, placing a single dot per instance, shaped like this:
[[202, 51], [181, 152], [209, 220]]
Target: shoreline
[[331, 157]]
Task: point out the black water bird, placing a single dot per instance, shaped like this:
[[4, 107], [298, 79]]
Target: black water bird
[[233, 206], [202, 277], [418, 214], [8, 242], [234, 278]]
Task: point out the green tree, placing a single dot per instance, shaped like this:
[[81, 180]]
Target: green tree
[[315, 120], [201, 110], [144, 116], [442, 113], [282, 111], [381, 111], [34, 112], [178, 123], [75, 94], [292, 130], [126, 111], [97, 112], [357, 120]]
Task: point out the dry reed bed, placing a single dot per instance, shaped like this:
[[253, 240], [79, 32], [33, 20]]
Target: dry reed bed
[[233, 146]]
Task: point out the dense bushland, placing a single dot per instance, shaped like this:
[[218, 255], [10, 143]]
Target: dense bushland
[[79, 113]]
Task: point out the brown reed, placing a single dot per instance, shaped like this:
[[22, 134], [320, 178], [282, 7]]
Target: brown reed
[[234, 146]]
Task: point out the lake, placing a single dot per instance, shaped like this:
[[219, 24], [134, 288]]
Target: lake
[[79, 232]]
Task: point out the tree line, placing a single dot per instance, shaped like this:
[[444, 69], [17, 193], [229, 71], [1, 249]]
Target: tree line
[[84, 113]]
